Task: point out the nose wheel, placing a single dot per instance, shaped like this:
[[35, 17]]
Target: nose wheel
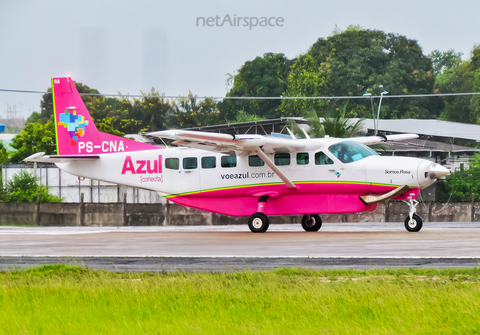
[[413, 222], [311, 222]]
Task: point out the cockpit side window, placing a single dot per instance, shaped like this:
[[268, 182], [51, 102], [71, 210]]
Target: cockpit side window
[[322, 159], [350, 151]]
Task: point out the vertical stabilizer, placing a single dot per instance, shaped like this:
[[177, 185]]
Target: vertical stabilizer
[[74, 128]]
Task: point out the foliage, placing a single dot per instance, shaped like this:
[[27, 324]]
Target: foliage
[[305, 80], [444, 61], [3, 159], [3, 154], [46, 104], [35, 137], [464, 77], [333, 123], [242, 116], [24, 187], [57, 299], [354, 61], [105, 126], [458, 186], [263, 77], [336, 124], [189, 112]]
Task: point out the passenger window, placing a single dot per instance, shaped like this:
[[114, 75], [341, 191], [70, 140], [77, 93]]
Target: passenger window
[[282, 159], [229, 161], [302, 158], [322, 159], [190, 163], [209, 162], [255, 161], [172, 163]]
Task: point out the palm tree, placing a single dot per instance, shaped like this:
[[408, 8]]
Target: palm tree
[[333, 124]]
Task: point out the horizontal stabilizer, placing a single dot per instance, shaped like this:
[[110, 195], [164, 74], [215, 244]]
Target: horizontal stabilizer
[[373, 199], [40, 157]]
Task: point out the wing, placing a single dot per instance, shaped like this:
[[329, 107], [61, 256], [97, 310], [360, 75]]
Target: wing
[[383, 138], [241, 144]]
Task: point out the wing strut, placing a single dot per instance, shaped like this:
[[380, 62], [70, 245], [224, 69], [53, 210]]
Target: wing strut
[[274, 168]]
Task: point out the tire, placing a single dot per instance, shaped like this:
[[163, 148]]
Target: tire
[[258, 223], [414, 225], [312, 223]]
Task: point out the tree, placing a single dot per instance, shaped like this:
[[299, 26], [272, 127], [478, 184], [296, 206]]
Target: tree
[[262, 77], [242, 116], [444, 61], [3, 159], [190, 112], [354, 61], [35, 137], [46, 104], [147, 113], [463, 78], [459, 186], [306, 79], [24, 187]]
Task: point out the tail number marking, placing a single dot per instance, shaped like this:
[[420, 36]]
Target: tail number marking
[[106, 146]]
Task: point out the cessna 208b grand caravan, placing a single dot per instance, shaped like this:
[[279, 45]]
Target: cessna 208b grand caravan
[[241, 175]]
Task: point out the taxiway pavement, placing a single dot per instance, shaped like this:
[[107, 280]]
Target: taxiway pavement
[[227, 248]]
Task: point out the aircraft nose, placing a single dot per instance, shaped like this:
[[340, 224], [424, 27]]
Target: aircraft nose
[[437, 171]]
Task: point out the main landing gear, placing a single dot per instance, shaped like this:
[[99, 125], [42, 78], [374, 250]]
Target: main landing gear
[[413, 222], [311, 222], [258, 222]]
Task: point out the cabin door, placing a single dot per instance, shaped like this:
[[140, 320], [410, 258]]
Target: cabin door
[[189, 172]]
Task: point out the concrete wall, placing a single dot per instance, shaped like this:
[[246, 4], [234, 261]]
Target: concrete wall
[[125, 214]]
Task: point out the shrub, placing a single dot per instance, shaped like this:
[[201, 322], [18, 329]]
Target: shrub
[[24, 187]]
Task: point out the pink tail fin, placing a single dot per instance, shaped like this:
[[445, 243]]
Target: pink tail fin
[[75, 131]]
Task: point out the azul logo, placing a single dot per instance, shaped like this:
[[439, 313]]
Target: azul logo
[[75, 125], [142, 166]]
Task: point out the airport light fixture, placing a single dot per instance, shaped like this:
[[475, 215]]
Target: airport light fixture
[[378, 113], [369, 95], [375, 120]]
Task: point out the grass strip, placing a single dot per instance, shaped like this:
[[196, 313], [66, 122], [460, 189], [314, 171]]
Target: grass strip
[[60, 299]]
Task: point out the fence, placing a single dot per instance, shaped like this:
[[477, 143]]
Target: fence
[[70, 187], [128, 214]]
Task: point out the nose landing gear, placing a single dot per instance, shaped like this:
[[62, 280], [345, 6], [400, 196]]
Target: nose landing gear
[[413, 222]]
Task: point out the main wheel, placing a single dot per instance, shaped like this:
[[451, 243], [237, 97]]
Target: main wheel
[[311, 222], [415, 224], [258, 223]]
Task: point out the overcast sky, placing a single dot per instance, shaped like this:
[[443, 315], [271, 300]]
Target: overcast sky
[[128, 46]]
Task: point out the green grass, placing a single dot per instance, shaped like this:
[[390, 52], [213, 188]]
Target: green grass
[[73, 300]]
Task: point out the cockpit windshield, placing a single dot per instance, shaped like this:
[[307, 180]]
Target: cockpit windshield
[[350, 151]]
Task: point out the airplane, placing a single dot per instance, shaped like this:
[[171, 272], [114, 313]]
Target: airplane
[[242, 175]]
